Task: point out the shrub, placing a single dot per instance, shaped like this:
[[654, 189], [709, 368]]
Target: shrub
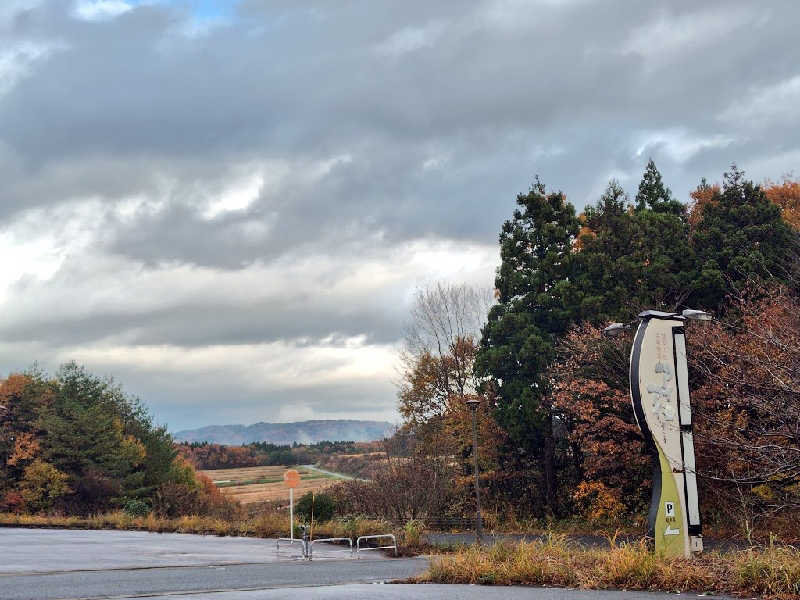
[[175, 499], [136, 508], [13, 502], [412, 533], [94, 493], [315, 507], [42, 485], [403, 489]]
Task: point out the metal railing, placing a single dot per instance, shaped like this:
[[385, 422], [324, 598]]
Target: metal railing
[[303, 545], [307, 544], [375, 537], [329, 540]]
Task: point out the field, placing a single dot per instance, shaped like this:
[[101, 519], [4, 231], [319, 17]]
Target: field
[[265, 484]]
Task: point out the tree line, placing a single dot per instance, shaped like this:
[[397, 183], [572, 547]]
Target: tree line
[[206, 455], [77, 444], [558, 437]]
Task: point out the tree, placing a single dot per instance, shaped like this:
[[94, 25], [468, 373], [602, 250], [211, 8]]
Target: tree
[[438, 358], [787, 196], [653, 194], [746, 406], [741, 235], [605, 460], [416, 488], [703, 194], [23, 396], [629, 259], [316, 507], [43, 485], [537, 301], [444, 319]]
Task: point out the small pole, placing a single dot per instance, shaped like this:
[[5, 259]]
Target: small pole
[[473, 404], [291, 514]]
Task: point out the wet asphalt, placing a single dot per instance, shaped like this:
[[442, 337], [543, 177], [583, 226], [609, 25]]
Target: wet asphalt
[[42, 564]]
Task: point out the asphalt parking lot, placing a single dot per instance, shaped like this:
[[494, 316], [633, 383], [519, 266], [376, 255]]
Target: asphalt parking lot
[[43, 564]]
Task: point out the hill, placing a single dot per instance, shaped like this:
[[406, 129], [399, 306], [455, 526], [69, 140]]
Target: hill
[[302, 432]]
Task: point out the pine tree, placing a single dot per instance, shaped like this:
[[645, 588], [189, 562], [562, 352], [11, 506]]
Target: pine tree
[[741, 237], [537, 303], [653, 194], [632, 259]]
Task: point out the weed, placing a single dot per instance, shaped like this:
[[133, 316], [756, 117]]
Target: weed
[[772, 573]]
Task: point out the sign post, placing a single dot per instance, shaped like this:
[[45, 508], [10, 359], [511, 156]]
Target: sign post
[[291, 478], [660, 396]]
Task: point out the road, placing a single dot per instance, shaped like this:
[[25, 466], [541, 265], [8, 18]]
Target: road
[[42, 564], [330, 473]]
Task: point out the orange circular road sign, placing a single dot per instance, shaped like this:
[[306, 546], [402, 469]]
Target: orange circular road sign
[[291, 478]]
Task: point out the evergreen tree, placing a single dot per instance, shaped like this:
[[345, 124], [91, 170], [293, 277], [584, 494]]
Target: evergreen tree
[[537, 302], [606, 271], [104, 440], [632, 259], [653, 194], [740, 236]]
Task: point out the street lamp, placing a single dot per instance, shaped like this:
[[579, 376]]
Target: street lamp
[[473, 404]]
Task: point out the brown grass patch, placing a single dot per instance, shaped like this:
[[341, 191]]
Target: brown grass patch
[[270, 524], [771, 573]]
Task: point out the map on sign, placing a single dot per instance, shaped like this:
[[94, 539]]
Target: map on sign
[[291, 478]]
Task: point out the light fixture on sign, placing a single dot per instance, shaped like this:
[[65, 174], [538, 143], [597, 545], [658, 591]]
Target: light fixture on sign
[[616, 329], [696, 315]]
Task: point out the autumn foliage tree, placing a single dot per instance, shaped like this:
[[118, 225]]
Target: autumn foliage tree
[[566, 439], [606, 468], [559, 272], [786, 195], [438, 374], [747, 409], [78, 444]]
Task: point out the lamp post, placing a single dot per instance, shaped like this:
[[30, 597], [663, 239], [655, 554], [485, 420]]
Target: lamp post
[[473, 404]]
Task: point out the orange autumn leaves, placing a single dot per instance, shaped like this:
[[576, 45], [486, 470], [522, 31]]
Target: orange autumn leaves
[[603, 437], [745, 377], [785, 194]]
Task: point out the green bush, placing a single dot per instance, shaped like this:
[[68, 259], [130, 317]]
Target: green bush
[[412, 533], [136, 508], [316, 507]]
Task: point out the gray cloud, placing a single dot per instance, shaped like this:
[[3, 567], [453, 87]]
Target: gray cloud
[[181, 185]]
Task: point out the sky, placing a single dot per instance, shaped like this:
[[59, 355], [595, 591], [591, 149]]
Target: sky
[[228, 206]]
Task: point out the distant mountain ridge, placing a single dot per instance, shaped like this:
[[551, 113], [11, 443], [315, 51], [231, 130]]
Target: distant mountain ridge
[[302, 432]]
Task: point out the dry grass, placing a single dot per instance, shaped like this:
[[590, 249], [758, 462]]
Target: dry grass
[[266, 525], [245, 473], [771, 573], [274, 490]]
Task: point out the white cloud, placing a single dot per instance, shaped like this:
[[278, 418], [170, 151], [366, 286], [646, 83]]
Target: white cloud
[[185, 197], [237, 197], [411, 39], [669, 37], [777, 102], [18, 59], [679, 144], [100, 10]]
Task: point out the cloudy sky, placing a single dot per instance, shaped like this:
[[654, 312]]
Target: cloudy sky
[[228, 205]]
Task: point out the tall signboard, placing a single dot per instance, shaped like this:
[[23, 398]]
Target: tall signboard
[[660, 395]]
